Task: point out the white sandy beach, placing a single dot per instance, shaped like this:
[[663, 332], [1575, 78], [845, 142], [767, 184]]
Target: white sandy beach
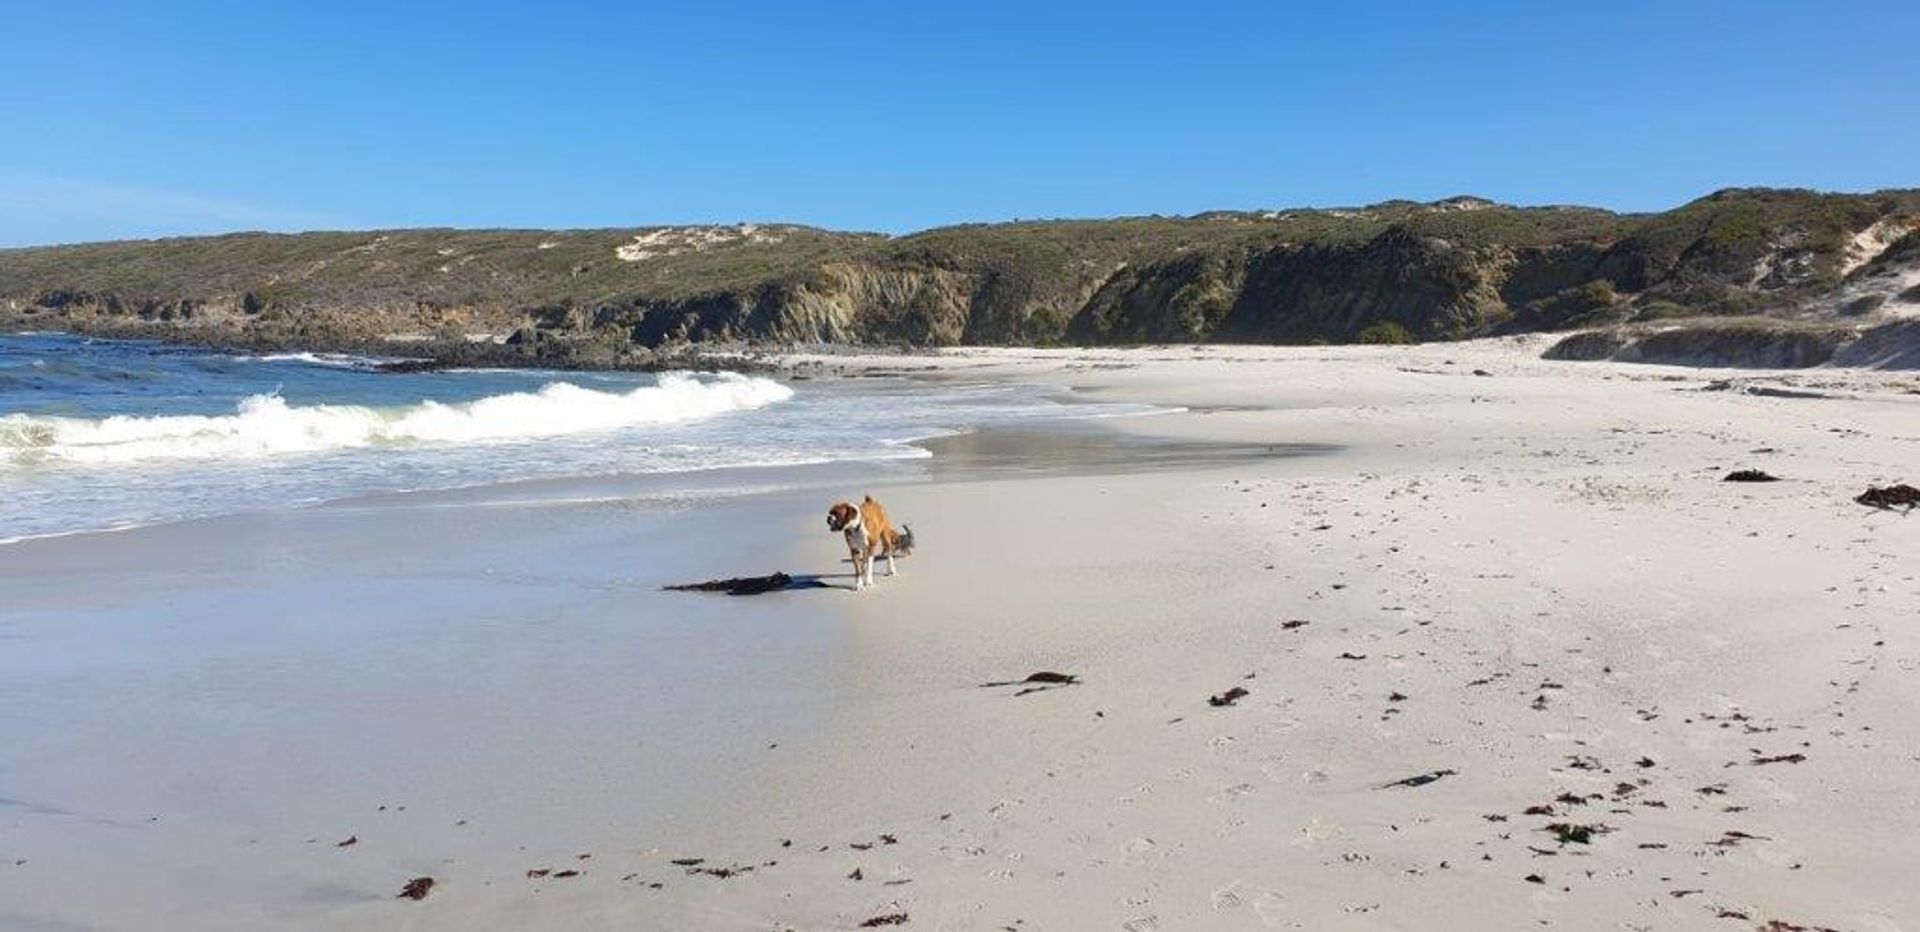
[[1529, 582]]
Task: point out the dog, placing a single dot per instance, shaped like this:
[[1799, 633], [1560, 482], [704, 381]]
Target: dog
[[868, 532]]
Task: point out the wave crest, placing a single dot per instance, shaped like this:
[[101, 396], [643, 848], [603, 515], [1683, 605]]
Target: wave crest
[[265, 425]]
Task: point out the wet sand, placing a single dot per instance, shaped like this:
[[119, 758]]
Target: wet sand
[[1629, 695]]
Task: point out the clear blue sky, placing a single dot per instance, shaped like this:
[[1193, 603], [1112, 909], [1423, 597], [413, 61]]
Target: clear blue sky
[[181, 117]]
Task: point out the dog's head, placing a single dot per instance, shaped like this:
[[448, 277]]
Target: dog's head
[[841, 515]]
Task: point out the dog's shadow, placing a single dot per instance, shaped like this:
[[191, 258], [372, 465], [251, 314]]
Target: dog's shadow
[[800, 581], [819, 581], [758, 585], [816, 581], [773, 582]]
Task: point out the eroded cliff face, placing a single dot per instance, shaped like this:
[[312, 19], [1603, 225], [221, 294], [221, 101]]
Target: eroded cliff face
[[1433, 288], [1450, 270], [1429, 287]]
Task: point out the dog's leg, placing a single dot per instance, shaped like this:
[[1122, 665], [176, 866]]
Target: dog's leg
[[866, 568], [854, 558], [891, 570]]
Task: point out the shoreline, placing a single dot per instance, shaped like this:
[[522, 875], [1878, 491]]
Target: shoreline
[[337, 435], [1541, 562]]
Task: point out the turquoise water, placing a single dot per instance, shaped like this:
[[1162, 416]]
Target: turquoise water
[[98, 434]]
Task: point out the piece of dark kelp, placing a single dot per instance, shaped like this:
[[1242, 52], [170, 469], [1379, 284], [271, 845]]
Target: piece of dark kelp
[[746, 585], [1569, 832], [890, 919], [1044, 676], [1227, 698], [1037, 682], [1781, 925], [1419, 779], [416, 889], [1893, 496], [1750, 475]]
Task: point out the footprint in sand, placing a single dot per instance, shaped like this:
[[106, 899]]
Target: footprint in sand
[[1231, 793], [1271, 908], [1141, 924], [1140, 852], [1315, 832], [1266, 904], [961, 915], [1773, 792]]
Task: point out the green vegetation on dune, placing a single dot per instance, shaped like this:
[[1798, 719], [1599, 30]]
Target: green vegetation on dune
[[1383, 273]]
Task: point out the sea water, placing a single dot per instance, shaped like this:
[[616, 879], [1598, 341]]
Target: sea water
[[104, 434]]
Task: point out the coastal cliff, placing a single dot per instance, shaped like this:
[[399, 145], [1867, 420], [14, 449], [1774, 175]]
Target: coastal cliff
[[1716, 271]]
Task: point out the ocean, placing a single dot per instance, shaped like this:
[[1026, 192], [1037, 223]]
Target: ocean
[[110, 434]]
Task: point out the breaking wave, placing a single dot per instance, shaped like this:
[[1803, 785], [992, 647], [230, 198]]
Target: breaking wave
[[265, 425], [330, 360]]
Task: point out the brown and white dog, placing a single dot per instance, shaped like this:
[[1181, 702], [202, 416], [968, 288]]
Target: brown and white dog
[[867, 530]]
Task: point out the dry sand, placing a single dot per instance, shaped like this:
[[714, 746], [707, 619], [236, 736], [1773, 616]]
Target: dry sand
[[1524, 578]]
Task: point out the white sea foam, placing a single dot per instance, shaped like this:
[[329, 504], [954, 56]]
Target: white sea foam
[[265, 425], [335, 360]]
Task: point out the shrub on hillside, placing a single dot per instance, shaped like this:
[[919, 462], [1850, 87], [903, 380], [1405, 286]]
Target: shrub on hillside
[[1385, 332]]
